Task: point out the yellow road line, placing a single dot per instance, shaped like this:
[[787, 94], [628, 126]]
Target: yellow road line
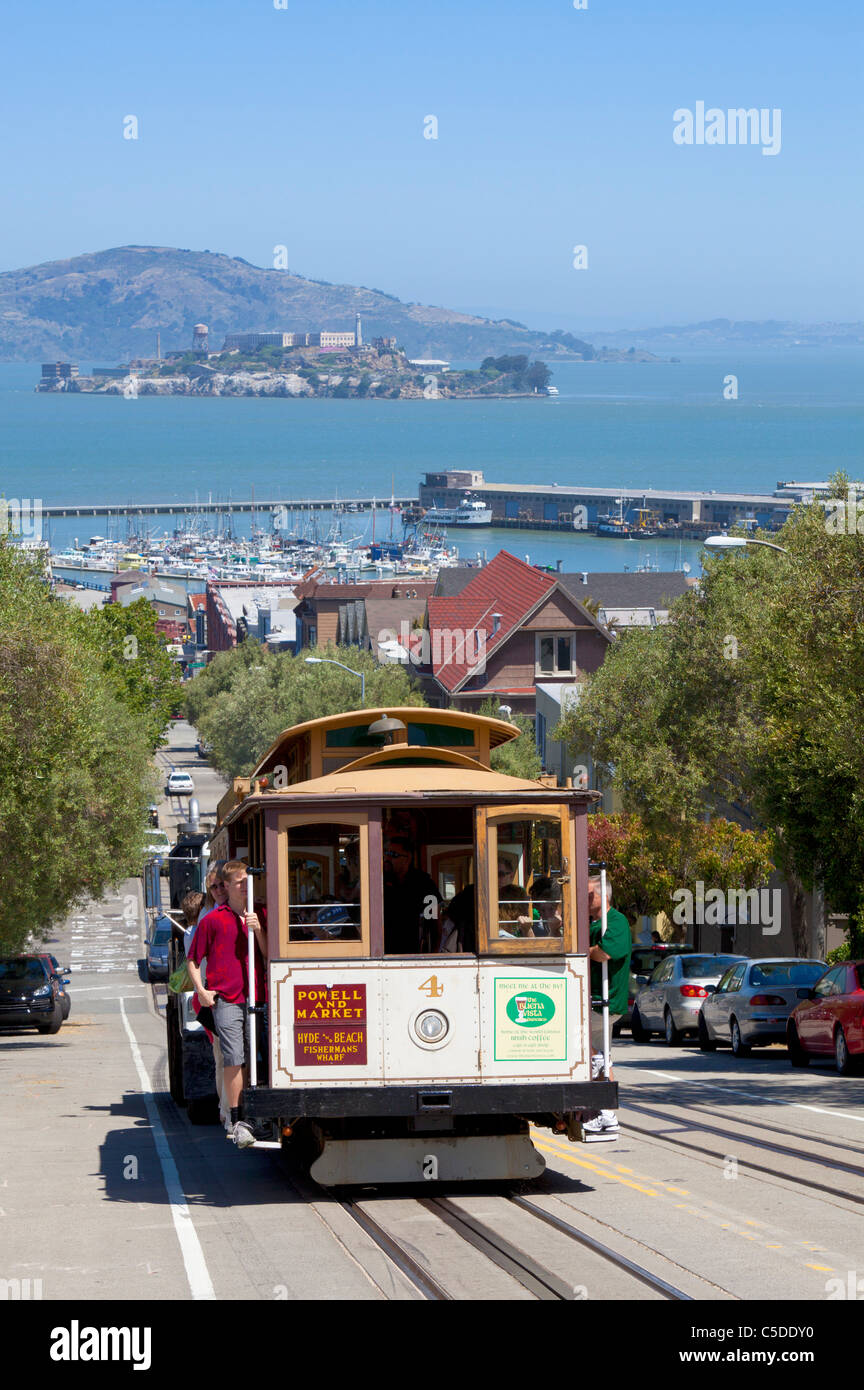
[[592, 1168], [607, 1172]]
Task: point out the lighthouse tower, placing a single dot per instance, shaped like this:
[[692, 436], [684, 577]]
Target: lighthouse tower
[[199, 337], [358, 332]]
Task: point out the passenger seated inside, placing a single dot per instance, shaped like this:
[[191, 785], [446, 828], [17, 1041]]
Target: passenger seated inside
[[411, 902], [324, 883], [514, 911], [514, 907], [546, 902]]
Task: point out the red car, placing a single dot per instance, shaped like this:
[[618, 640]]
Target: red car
[[829, 1022]]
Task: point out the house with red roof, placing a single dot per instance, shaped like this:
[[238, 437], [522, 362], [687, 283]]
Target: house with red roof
[[510, 627]]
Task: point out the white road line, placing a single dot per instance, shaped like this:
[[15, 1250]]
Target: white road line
[[98, 989], [751, 1095], [197, 1273]]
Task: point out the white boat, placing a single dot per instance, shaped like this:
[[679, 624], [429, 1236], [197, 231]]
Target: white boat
[[470, 512]]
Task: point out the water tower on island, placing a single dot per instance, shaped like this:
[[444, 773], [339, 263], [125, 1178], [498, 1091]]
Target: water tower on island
[[199, 337]]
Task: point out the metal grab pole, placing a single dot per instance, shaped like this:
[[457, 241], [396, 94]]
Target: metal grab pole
[[253, 1035], [604, 971]]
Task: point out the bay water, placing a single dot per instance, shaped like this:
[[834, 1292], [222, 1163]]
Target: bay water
[[798, 415]]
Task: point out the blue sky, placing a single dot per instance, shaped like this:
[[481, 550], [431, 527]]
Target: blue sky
[[303, 126]]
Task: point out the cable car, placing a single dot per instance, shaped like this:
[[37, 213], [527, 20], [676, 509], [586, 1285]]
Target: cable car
[[427, 930]]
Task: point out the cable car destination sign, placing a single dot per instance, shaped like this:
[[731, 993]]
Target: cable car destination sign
[[330, 1025]]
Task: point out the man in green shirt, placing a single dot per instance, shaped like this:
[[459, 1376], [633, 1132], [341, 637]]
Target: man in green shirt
[[614, 947]]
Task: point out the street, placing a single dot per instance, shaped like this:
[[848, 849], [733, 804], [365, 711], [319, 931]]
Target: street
[[209, 785], [108, 1191]]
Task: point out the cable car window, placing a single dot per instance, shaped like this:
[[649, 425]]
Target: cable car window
[[324, 883], [440, 736], [528, 894]]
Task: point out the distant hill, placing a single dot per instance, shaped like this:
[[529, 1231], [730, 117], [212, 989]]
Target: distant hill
[[742, 333], [109, 305]]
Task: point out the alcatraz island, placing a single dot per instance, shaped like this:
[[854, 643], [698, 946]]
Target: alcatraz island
[[319, 363]]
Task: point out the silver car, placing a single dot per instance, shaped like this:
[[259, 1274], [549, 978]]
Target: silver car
[[752, 1003], [671, 1000]]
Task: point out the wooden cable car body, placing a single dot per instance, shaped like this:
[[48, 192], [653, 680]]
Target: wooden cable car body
[[394, 1063]]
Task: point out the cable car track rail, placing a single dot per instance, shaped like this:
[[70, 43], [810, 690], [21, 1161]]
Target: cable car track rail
[[543, 1283], [756, 1168]]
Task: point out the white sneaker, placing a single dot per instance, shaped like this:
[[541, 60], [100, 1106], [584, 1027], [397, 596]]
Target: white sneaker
[[602, 1130], [596, 1065], [242, 1135]]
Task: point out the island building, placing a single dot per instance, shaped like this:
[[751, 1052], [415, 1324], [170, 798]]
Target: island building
[[199, 337], [59, 371], [324, 338]]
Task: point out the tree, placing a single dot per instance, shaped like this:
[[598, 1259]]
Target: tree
[[247, 697], [518, 758], [75, 769], [134, 657], [538, 376], [747, 698], [648, 865]]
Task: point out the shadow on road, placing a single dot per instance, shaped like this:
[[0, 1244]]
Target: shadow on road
[[213, 1173]]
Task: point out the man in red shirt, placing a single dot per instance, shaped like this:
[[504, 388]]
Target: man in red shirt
[[223, 938]]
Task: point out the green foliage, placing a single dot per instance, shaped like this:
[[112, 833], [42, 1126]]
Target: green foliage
[[246, 697], [538, 376], [520, 757], [75, 769], [752, 696], [342, 391], [647, 864], [134, 658]]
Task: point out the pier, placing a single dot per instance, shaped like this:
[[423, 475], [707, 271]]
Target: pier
[[576, 507], [530, 507], [303, 504]]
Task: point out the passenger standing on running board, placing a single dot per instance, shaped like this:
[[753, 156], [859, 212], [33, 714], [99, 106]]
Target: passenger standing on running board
[[616, 948], [222, 936]]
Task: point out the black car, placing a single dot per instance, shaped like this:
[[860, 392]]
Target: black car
[[29, 996], [158, 945]]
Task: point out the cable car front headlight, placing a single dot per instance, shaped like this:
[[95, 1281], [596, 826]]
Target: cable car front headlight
[[431, 1026]]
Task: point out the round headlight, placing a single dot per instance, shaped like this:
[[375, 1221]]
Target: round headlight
[[431, 1026]]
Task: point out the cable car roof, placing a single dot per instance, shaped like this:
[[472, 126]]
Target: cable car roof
[[498, 730]]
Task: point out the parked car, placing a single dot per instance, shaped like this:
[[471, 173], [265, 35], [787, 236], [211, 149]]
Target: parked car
[[58, 972], [158, 846], [830, 1021], [179, 784], [29, 997], [752, 1003], [203, 749], [157, 947], [671, 1000], [643, 962]]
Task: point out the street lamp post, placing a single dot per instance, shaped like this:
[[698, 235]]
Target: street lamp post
[[329, 661], [738, 543]]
